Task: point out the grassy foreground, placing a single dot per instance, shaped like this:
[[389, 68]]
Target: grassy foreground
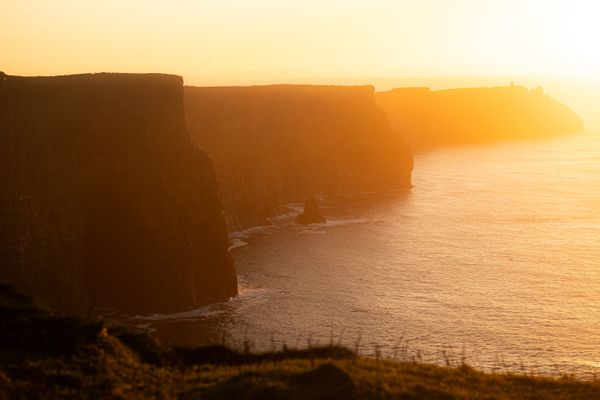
[[43, 355]]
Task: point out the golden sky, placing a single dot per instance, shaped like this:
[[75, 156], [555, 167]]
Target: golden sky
[[224, 42]]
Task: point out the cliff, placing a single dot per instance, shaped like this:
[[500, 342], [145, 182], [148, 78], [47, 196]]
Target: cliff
[[281, 143], [431, 118], [104, 199]]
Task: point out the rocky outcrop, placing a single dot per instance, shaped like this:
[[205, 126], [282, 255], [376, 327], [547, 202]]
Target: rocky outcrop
[[275, 144], [104, 199], [477, 115], [311, 213]]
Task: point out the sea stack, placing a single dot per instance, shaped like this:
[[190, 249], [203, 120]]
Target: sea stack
[[311, 214]]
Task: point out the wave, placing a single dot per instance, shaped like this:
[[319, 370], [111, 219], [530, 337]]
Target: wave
[[246, 233], [284, 222], [246, 297], [235, 243], [349, 221], [238, 239], [203, 312]]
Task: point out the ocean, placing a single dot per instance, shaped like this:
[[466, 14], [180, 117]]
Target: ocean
[[493, 258]]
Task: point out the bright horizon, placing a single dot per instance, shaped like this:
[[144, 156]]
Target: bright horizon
[[213, 43]]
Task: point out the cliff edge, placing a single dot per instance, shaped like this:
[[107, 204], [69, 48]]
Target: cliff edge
[[105, 201]]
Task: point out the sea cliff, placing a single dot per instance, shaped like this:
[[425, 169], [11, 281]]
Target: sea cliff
[[281, 143], [105, 201], [475, 115]]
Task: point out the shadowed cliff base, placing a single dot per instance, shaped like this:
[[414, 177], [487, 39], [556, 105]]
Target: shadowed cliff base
[[61, 357], [105, 201], [272, 145], [475, 115]]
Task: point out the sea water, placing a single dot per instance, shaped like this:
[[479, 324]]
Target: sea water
[[493, 258]]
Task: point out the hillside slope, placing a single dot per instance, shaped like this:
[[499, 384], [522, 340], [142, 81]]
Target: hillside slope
[[68, 358]]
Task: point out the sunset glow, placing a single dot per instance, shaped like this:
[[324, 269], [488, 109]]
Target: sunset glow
[[310, 199], [244, 42]]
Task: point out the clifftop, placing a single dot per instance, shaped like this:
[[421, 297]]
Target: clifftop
[[288, 86], [112, 76]]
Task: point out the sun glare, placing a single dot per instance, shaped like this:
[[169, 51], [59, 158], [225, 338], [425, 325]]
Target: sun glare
[[573, 33], [222, 40]]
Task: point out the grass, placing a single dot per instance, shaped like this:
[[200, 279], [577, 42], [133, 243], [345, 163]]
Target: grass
[[43, 354]]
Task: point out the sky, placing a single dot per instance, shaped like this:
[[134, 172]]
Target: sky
[[243, 42]]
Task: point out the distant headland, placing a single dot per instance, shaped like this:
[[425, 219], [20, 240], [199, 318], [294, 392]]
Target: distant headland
[[429, 118]]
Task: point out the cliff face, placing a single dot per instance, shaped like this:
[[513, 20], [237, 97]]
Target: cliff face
[[104, 199], [430, 118], [275, 144]]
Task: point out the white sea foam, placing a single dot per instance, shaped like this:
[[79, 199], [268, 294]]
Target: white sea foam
[[246, 296], [348, 221], [246, 233], [203, 312], [234, 243], [313, 230]]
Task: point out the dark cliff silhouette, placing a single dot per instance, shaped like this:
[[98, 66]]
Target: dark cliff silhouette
[[105, 201], [311, 213], [477, 115], [274, 144]]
